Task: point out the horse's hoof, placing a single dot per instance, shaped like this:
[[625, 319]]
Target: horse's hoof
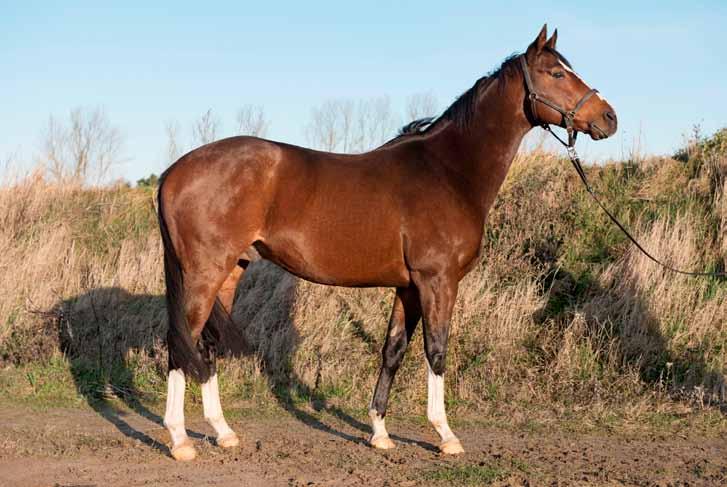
[[184, 452], [228, 441], [382, 443], [451, 447]]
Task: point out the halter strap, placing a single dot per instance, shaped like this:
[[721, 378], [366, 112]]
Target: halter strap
[[568, 115]]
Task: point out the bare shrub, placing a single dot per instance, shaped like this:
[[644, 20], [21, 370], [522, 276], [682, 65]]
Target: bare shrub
[[82, 150], [175, 148], [205, 128], [331, 125], [351, 127], [251, 121]]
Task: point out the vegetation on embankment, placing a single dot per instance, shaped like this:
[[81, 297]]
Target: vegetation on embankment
[[561, 314]]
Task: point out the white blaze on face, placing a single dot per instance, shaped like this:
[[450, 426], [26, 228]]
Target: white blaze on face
[[601, 97], [566, 68]]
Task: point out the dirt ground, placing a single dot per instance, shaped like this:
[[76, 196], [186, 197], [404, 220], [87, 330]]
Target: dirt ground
[[74, 447]]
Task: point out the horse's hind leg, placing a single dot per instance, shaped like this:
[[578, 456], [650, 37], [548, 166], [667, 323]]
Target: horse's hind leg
[[226, 438], [405, 315], [182, 447], [200, 293]]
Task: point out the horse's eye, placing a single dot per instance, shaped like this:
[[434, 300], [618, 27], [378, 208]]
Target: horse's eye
[[558, 74]]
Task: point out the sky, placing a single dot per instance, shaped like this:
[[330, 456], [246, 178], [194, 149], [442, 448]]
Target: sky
[[662, 65]]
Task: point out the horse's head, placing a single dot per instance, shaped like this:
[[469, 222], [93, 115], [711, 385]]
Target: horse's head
[[558, 96]]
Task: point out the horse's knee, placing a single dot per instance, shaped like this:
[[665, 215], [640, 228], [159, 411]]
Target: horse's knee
[[437, 361], [436, 348]]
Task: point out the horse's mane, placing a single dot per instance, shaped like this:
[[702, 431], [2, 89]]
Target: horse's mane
[[463, 109]]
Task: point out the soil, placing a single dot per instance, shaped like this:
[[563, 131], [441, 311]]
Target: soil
[[75, 447]]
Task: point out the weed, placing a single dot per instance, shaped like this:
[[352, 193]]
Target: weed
[[481, 474]]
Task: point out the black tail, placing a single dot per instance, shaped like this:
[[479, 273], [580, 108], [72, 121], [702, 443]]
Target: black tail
[[219, 335]]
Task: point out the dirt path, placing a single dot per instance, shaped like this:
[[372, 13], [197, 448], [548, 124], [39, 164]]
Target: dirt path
[[70, 447]]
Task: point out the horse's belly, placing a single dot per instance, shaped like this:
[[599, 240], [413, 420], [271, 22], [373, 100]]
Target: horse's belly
[[339, 259]]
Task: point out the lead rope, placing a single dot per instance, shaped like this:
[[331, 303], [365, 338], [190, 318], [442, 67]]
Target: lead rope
[[576, 161]]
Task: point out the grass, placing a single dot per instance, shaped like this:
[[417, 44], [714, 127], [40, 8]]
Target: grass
[[481, 474], [559, 315], [41, 386]]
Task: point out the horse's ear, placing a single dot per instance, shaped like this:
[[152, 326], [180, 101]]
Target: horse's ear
[[538, 44], [553, 39]]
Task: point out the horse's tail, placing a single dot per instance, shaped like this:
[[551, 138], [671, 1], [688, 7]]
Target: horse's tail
[[219, 334], [183, 352]]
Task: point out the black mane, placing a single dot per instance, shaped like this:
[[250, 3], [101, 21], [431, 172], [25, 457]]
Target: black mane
[[463, 109]]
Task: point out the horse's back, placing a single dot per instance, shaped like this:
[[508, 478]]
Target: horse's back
[[325, 217]]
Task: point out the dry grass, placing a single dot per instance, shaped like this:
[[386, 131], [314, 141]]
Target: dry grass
[[559, 312]]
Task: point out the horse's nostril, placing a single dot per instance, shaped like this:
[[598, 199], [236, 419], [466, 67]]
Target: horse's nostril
[[610, 116]]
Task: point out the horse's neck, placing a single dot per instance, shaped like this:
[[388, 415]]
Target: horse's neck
[[484, 152]]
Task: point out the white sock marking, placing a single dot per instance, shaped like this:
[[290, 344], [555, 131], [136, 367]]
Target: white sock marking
[[378, 425], [174, 415], [435, 405], [213, 408]]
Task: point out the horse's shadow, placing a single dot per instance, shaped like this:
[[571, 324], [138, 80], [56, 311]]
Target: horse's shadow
[[101, 332], [109, 334], [618, 314]]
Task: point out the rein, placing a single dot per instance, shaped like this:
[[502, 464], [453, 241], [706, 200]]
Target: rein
[[570, 146]]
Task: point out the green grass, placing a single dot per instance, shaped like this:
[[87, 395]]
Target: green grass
[[481, 474], [41, 386]]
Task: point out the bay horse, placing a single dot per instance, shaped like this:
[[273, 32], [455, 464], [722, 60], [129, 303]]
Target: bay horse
[[409, 215]]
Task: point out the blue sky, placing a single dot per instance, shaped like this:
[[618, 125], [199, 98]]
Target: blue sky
[[660, 64]]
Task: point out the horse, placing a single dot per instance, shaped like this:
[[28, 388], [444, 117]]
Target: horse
[[409, 214]]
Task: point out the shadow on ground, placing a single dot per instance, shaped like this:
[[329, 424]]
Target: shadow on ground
[[619, 315], [104, 331]]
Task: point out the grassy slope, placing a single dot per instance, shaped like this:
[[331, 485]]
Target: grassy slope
[[561, 316]]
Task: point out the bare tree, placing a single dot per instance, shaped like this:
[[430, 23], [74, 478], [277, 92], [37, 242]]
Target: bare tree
[[330, 125], [205, 129], [175, 149], [349, 127], [251, 121], [376, 123], [83, 150], [421, 105]]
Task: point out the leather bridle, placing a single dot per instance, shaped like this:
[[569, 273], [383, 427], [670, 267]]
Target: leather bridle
[[569, 116], [570, 146]]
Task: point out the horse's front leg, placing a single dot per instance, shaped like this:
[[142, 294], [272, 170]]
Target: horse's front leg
[[438, 294], [405, 316]]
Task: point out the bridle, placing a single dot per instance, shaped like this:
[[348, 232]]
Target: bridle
[[569, 116], [570, 146]]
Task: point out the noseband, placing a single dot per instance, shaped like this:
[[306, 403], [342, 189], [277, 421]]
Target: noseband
[[569, 116]]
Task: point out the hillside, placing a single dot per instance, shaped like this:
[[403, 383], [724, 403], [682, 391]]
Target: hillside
[[562, 316]]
